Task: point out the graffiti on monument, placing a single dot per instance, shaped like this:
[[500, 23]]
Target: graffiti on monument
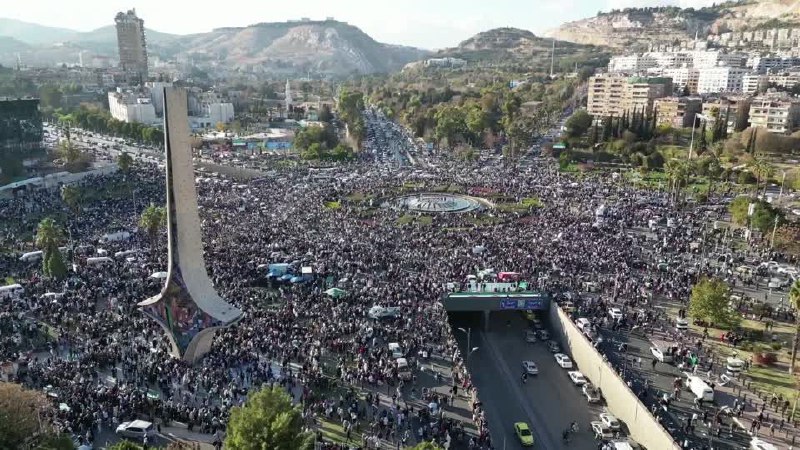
[[179, 314]]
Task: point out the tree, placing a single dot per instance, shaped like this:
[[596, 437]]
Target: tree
[[450, 123], [48, 237], [794, 301], [709, 302], [578, 123], [125, 161], [762, 169], [787, 239], [426, 446], [21, 414], [152, 220], [677, 172], [325, 114], [72, 196], [69, 152], [267, 421]]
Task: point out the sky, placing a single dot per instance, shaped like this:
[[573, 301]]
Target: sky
[[429, 24]]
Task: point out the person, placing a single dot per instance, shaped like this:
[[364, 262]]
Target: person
[[524, 377]]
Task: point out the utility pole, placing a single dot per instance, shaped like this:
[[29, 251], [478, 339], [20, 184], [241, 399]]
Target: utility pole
[[552, 59]]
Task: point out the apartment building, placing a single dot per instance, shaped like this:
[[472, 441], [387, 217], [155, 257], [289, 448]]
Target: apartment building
[[777, 113], [683, 78], [713, 80], [788, 79], [131, 107], [613, 94], [764, 64], [677, 112], [738, 105], [753, 82]]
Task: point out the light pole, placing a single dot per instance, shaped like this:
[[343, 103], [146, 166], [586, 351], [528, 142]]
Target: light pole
[[783, 181], [694, 124], [468, 332]]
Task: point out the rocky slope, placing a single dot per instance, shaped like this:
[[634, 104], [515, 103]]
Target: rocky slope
[[636, 27], [328, 47], [514, 46]]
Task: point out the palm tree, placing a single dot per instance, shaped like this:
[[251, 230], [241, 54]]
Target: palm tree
[[794, 301], [762, 170], [124, 162], [72, 197], [48, 236], [152, 220], [677, 173]]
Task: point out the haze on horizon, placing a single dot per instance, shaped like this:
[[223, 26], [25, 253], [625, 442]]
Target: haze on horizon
[[419, 23]]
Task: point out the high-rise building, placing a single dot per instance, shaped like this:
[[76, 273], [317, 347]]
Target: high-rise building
[[132, 44], [714, 80]]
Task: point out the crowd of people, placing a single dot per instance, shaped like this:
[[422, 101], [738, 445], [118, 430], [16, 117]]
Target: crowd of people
[[109, 363]]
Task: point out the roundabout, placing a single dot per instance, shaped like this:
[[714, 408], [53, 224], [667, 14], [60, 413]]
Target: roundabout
[[435, 202]]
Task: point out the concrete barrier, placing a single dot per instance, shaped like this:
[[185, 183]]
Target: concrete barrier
[[621, 400]]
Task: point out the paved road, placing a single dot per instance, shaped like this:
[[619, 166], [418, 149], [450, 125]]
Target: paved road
[[660, 381], [548, 402]]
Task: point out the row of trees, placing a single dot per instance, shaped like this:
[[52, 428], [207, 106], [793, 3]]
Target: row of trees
[[100, 121], [321, 143]]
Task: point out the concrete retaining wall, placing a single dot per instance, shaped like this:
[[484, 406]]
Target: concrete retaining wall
[[622, 402]]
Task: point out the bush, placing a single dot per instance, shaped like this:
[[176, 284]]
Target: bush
[[764, 358], [776, 346], [746, 178]]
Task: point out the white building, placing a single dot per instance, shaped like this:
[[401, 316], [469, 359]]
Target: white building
[[752, 82], [630, 63], [157, 95], [130, 107], [445, 62], [683, 77], [715, 58], [713, 80], [764, 64]]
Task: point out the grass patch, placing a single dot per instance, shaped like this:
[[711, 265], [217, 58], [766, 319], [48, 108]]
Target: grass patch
[[10, 280], [524, 205], [333, 205], [569, 168], [334, 432], [771, 379], [408, 219]]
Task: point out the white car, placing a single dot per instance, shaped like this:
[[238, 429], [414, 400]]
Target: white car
[[577, 378], [592, 393], [563, 361], [530, 336], [582, 323], [660, 355], [601, 431], [615, 313], [682, 324], [530, 367], [610, 421], [136, 429]]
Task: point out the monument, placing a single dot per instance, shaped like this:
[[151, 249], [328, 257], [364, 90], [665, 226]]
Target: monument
[[188, 307]]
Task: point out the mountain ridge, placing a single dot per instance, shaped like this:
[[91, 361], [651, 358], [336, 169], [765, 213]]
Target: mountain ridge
[[634, 28], [329, 47]]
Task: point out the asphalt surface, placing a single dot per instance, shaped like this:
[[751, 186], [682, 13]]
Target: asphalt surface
[[659, 382], [548, 402]]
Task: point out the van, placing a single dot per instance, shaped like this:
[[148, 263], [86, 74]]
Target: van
[[11, 291], [582, 323], [403, 370], [395, 350], [32, 256], [700, 389], [119, 255], [114, 237], [98, 261]]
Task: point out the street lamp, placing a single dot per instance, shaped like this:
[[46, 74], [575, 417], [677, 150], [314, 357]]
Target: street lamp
[[694, 123], [468, 332], [783, 181]]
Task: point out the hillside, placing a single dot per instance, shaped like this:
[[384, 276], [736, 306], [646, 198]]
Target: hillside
[[637, 27], [329, 47], [502, 46], [323, 47]]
